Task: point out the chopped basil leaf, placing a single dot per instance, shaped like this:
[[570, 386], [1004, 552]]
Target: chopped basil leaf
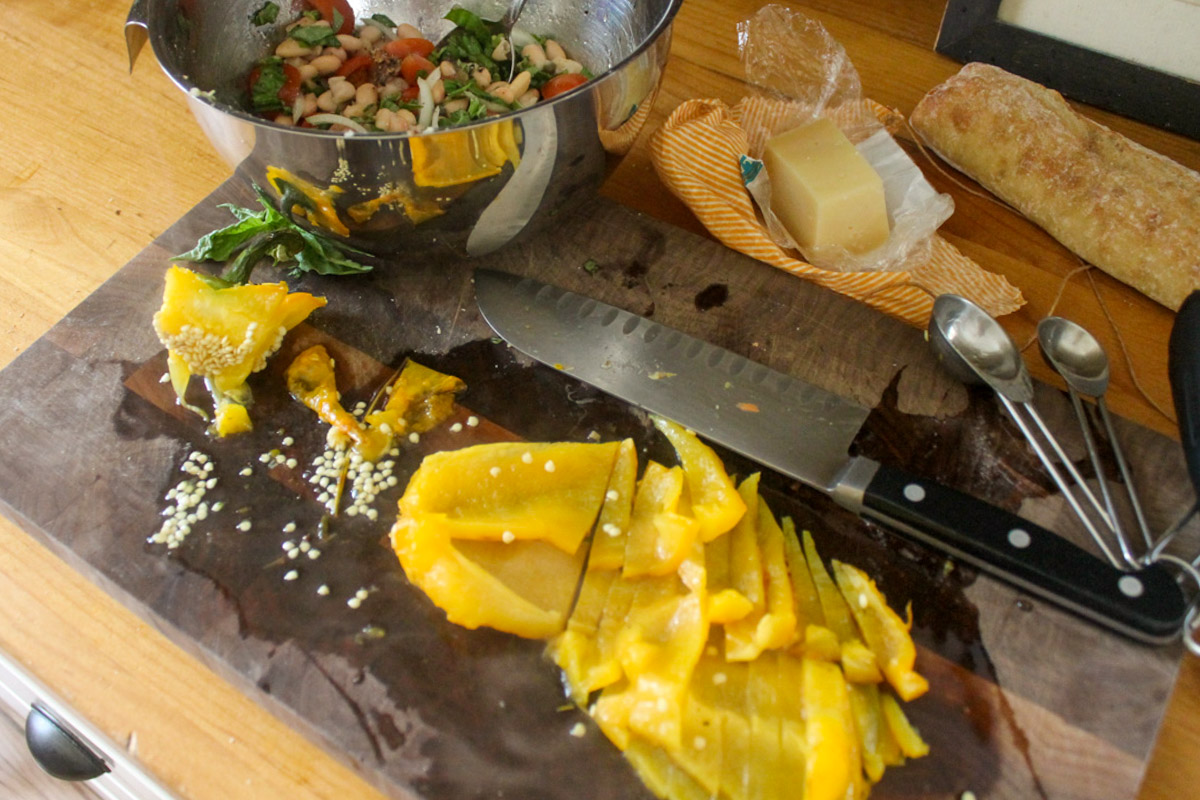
[[258, 235], [265, 15], [471, 23], [338, 21], [383, 19], [313, 35], [264, 94]]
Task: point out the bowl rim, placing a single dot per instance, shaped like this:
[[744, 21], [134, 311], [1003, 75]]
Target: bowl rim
[[204, 97]]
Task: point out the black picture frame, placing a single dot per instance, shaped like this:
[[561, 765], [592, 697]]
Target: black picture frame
[[972, 31]]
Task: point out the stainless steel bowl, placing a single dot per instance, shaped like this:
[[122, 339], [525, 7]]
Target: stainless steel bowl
[[379, 186]]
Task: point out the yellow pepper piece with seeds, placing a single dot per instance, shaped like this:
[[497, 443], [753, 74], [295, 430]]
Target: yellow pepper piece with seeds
[[224, 334]]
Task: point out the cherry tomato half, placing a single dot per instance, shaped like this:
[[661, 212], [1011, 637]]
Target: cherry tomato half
[[414, 66], [356, 69], [402, 47], [327, 7], [291, 85], [562, 83]]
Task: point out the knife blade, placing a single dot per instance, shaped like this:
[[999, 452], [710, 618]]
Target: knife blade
[[805, 432]]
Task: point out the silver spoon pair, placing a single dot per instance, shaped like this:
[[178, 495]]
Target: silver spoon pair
[[976, 349]]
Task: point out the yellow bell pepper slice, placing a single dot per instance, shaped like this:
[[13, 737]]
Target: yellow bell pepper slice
[[469, 594], [837, 615], [419, 399], [715, 501], [804, 591], [833, 767], [549, 492], [311, 380], [883, 630], [576, 650], [869, 724], [907, 737], [224, 334], [612, 529], [661, 531], [859, 663]]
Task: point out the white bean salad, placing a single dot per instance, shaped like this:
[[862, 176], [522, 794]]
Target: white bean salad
[[376, 76]]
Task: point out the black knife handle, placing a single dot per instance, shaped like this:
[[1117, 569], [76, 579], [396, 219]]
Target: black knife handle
[[1147, 604], [1183, 367]]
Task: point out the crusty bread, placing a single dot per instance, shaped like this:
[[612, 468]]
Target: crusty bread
[[1129, 211]]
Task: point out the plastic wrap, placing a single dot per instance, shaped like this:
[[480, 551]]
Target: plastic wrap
[[794, 61]]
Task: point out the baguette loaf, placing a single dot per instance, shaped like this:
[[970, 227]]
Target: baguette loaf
[[1129, 211]]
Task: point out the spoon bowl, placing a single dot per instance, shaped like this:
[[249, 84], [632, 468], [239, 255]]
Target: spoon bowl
[[1075, 355], [974, 348]]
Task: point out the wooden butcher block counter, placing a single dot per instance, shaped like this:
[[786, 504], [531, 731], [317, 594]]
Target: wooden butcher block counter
[[104, 174]]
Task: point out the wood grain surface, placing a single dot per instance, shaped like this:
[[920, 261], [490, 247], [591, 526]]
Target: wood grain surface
[[100, 161]]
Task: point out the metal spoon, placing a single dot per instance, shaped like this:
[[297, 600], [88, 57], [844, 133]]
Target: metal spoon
[[976, 349], [509, 20], [1076, 356]]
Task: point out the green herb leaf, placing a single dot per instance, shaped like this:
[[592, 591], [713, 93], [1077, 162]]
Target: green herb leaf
[[258, 235], [266, 14], [471, 23], [338, 20], [315, 35], [383, 19], [264, 94]]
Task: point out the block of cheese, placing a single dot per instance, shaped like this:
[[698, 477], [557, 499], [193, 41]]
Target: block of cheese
[[1130, 211], [823, 190]]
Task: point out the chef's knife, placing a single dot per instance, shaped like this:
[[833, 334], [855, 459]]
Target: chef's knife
[[805, 432]]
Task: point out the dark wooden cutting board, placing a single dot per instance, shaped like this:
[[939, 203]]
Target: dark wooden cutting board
[[1026, 701]]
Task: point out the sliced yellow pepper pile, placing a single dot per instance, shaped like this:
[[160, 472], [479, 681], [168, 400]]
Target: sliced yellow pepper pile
[[708, 641]]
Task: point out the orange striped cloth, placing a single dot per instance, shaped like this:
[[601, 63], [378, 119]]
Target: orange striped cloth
[[696, 155]]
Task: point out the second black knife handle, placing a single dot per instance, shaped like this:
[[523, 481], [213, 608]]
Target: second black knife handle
[[1147, 604]]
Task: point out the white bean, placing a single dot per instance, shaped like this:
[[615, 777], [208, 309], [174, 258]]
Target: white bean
[[407, 116], [284, 119], [457, 104], [366, 95], [326, 102], [554, 50], [535, 54], [307, 72], [370, 34], [393, 87], [482, 77], [502, 51], [290, 48], [501, 90], [438, 91], [343, 90], [326, 64], [529, 98], [351, 44], [520, 84], [562, 65], [335, 51], [352, 110], [310, 104], [406, 31], [448, 70]]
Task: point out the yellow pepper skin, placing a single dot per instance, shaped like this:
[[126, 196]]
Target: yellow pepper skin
[[612, 529], [716, 504], [833, 769], [549, 492], [661, 531], [470, 595], [311, 380], [420, 399], [224, 335], [907, 737], [884, 631]]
